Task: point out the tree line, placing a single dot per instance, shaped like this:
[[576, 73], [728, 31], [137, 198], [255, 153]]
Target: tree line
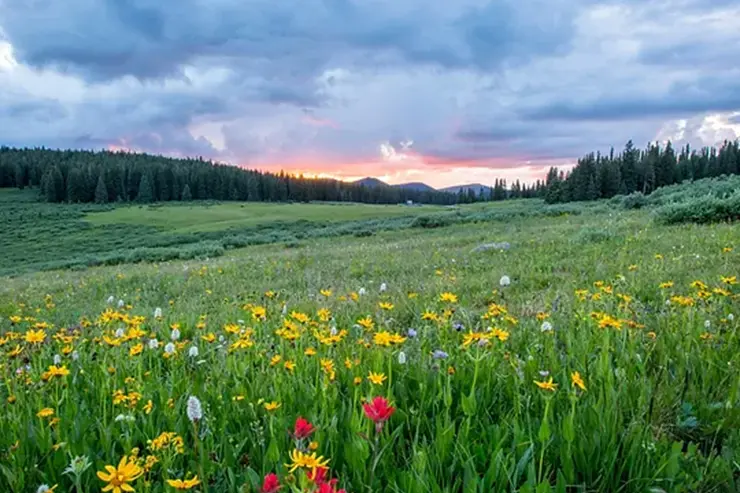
[[598, 176], [80, 176]]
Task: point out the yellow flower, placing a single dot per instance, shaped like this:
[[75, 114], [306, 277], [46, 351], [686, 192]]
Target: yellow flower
[[729, 280], [313, 446], [367, 323], [726, 249], [270, 294], [303, 460], [289, 365], [12, 399], [272, 406], [148, 407], [237, 398], [45, 413], [548, 385], [309, 351], [357, 380], [136, 349], [450, 370], [259, 313], [658, 256], [15, 352], [632, 267], [448, 298], [429, 315], [210, 337], [324, 314], [118, 479], [326, 292], [384, 305], [35, 336], [275, 360], [187, 484], [666, 285], [577, 381], [411, 295], [348, 363], [377, 378]]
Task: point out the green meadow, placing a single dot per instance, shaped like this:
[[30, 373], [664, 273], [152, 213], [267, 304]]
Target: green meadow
[[598, 352]]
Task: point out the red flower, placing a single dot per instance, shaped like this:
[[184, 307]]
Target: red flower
[[379, 411], [330, 488], [271, 484], [303, 428], [318, 475]]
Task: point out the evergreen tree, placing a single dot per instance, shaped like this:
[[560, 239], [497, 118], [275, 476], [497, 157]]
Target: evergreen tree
[[75, 186], [146, 193], [101, 192], [186, 196]]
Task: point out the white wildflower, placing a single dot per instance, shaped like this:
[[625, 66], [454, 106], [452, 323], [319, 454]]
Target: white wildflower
[[284, 310], [193, 351], [110, 300], [169, 348], [504, 281], [153, 344], [120, 333], [121, 303], [194, 411], [333, 331], [730, 317], [707, 324], [125, 417], [383, 287], [401, 358], [57, 359], [44, 488], [362, 292], [546, 326], [157, 312], [75, 355], [175, 335]]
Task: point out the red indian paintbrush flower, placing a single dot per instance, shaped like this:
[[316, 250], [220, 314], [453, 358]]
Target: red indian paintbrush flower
[[318, 475], [271, 484], [303, 428], [379, 411], [330, 488]]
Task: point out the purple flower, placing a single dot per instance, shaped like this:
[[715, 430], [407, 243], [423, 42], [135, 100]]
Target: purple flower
[[411, 333], [439, 354]]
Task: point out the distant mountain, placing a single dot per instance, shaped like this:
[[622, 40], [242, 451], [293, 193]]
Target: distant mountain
[[476, 187], [371, 182], [417, 186]]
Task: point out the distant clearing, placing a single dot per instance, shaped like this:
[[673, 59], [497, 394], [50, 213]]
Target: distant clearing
[[184, 218]]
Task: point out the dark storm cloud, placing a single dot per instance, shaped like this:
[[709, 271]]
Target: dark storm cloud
[[149, 39]]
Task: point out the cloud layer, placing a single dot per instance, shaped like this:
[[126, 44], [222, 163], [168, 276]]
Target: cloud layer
[[484, 89]]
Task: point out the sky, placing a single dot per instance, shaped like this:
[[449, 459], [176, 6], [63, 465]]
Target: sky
[[445, 92]]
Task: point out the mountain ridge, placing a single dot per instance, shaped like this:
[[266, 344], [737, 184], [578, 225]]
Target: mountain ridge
[[369, 181]]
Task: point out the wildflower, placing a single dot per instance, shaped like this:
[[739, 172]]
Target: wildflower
[[193, 352], [401, 358], [546, 326], [169, 348], [448, 298], [45, 488], [148, 407], [118, 478], [377, 378], [384, 305], [367, 323], [411, 333], [730, 317], [157, 312], [35, 336], [504, 281], [362, 291], [46, 412], [187, 484], [357, 380], [303, 460], [175, 335], [110, 300], [272, 406], [302, 429], [439, 354], [271, 484], [707, 324], [547, 385], [310, 352], [194, 409], [153, 344], [577, 381], [383, 287], [289, 365], [378, 411], [666, 285], [729, 280], [75, 355], [121, 303], [325, 292]]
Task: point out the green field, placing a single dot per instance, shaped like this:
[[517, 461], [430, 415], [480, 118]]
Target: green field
[[643, 315], [194, 218]]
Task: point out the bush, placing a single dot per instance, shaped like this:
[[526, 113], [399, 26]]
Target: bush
[[634, 201], [707, 209]]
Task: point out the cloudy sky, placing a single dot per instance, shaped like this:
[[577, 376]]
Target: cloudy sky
[[439, 91]]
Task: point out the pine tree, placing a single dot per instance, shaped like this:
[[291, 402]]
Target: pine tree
[[186, 196], [146, 192], [75, 186], [101, 192]]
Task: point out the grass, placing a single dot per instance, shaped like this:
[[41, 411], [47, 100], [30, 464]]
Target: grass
[[657, 353], [184, 218]]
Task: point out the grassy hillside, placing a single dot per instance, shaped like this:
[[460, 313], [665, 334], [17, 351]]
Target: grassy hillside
[[632, 385]]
